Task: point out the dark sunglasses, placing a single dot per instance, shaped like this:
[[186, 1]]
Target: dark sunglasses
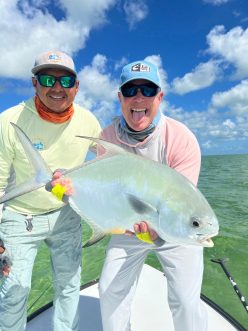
[[50, 81], [147, 90]]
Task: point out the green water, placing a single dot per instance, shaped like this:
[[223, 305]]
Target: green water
[[224, 182]]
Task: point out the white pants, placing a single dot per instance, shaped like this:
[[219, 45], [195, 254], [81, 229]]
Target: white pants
[[183, 268]]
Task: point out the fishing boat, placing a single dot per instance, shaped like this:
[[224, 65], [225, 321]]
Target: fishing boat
[[150, 311]]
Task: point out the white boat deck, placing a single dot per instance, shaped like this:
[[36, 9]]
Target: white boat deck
[[150, 310]]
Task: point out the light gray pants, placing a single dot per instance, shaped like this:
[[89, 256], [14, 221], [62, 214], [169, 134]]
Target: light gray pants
[[183, 268], [62, 233]]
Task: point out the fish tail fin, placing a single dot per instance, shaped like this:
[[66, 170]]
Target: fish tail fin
[[42, 173]]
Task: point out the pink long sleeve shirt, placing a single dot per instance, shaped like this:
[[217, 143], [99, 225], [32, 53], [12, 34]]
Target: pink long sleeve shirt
[[171, 143]]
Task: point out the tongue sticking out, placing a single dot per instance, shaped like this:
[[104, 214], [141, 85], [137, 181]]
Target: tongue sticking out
[[138, 115]]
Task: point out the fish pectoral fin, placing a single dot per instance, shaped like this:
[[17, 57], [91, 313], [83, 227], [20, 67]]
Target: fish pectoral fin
[[141, 207]]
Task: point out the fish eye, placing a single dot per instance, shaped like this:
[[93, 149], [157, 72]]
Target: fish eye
[[195, 222]]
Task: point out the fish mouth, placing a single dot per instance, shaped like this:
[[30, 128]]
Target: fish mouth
[[206, 241]]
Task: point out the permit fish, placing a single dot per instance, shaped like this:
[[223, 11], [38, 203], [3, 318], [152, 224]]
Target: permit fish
[[119, 188]]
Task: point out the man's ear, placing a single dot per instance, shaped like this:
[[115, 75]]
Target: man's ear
[[77, 85], [119, 96], [34, 81], [160, 96]]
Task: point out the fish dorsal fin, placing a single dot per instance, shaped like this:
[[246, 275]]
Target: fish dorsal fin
[[110, 148], [141, 207]]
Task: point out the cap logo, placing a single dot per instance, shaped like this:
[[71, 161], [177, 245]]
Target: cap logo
[[54, 57], [141, 67]]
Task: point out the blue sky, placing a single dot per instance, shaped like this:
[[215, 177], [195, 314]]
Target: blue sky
[[200, 47]]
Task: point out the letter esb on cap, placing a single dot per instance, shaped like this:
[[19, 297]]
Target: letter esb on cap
[[140, 70]]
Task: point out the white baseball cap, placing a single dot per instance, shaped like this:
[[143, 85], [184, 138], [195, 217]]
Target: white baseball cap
[[54, 59]]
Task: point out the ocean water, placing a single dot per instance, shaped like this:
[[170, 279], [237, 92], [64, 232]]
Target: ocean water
[[224, 182]]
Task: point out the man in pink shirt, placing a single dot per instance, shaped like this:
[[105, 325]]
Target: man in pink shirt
[[144, 130]]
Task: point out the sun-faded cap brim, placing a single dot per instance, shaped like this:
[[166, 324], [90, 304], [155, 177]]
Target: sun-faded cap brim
[[54, 59]]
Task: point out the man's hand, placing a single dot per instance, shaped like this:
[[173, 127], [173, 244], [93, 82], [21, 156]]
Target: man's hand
[[5, 265], [5, 262], [2, 248], [60, 187], [143, 232], [143, 227]]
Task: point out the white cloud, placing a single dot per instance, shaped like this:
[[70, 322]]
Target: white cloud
[[157, 60], [211, 127], [136, 11], [207, 144], [119, 64], [26, 30], [235, 99], [216, 2], [204, 75], [231, 46], [87, 14], [98, 90], [229, 123]]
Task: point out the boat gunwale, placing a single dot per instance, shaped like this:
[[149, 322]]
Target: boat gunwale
[[223, 313]]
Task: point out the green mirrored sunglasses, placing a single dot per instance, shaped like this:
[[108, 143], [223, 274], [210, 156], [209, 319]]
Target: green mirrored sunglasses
[[49, 80]]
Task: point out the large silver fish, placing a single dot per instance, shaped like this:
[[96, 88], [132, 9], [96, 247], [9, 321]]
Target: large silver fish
[[119, 188]]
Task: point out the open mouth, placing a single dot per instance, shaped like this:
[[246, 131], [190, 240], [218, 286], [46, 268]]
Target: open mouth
[[138, 114], [206, 241], [138, 110], [56, 97]]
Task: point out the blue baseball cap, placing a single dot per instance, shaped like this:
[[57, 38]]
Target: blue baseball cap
[[140, 70]]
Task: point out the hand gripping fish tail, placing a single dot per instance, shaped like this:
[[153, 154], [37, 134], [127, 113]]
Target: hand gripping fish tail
[[5, 261], [59, 191], [60, 187]]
